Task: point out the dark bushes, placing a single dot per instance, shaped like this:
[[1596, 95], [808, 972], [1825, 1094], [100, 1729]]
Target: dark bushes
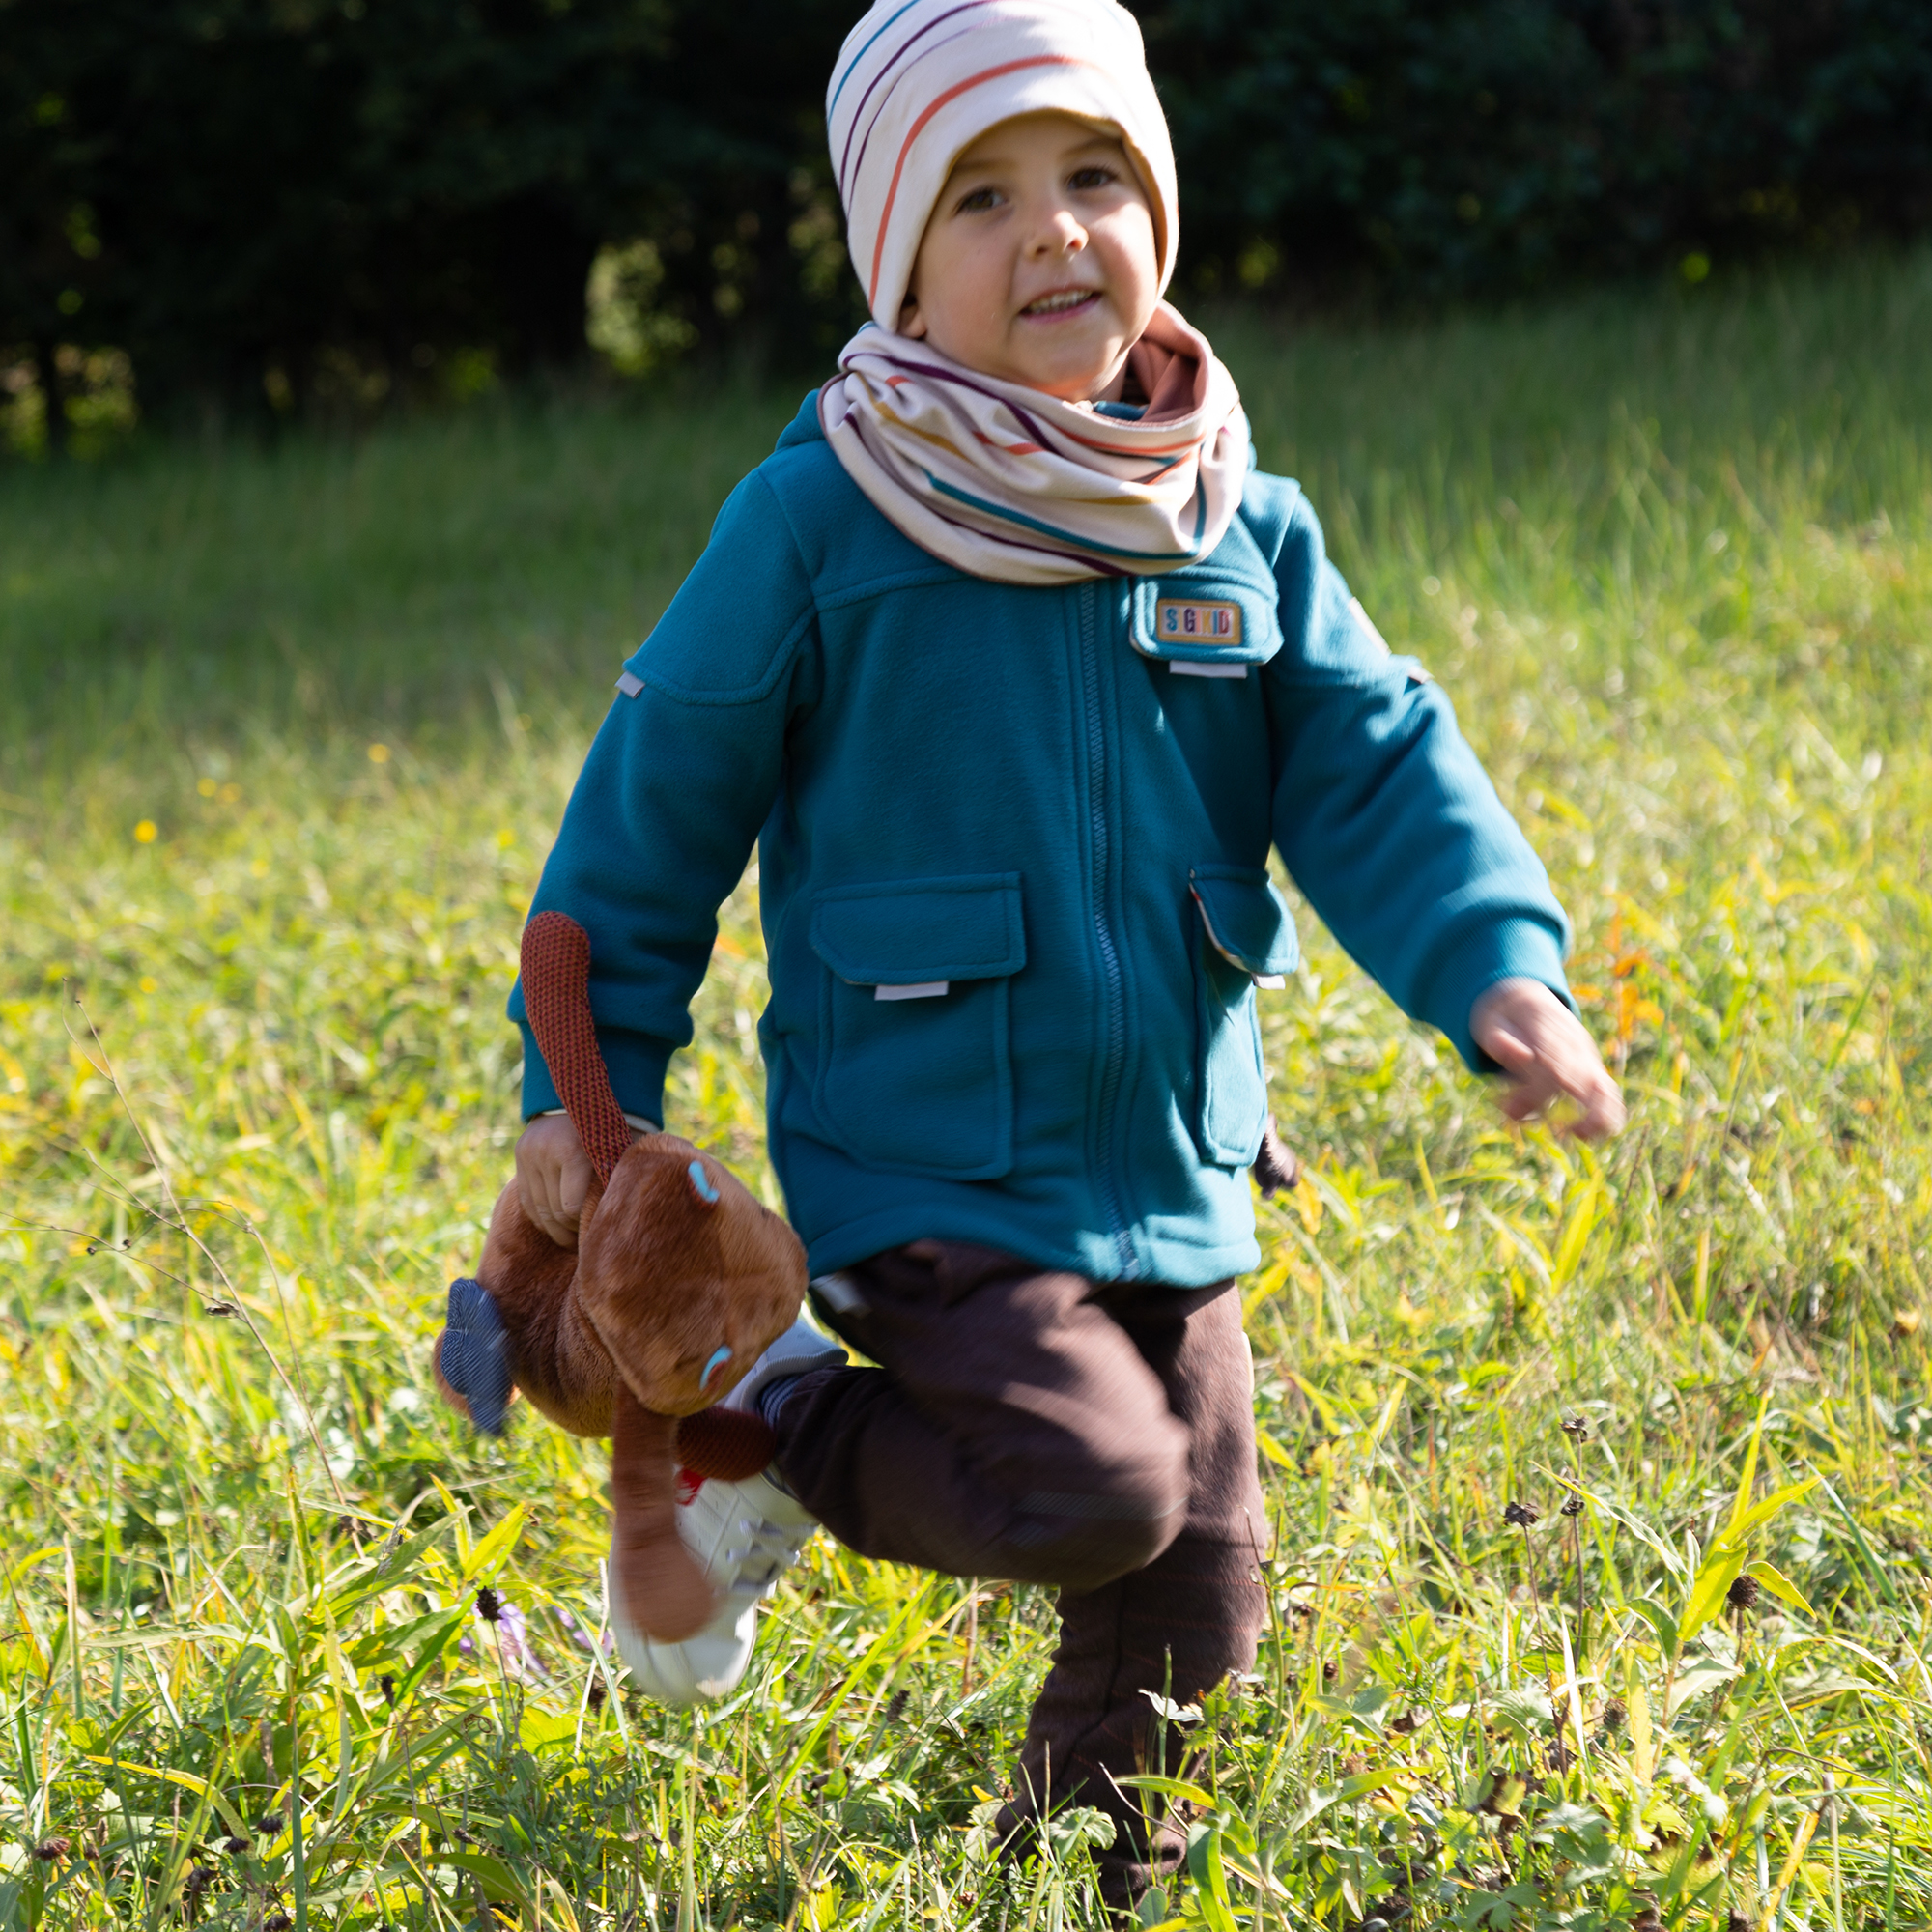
[[1498, 144], [273, 200]]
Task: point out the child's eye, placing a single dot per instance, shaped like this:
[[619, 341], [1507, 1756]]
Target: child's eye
[[978, 200], [1087, 180]]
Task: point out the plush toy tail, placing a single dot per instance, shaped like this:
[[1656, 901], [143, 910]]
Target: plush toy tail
[[655, 1581], [556, 997], [472, 1359]]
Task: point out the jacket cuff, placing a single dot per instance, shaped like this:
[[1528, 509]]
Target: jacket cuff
[[634, 1062], [1504, 948]]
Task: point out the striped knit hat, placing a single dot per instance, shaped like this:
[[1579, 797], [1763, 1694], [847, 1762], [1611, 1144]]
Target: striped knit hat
[[918, 82]]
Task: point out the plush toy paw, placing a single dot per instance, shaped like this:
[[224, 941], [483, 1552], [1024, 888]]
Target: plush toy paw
[[728, 1444], [472, 1357]]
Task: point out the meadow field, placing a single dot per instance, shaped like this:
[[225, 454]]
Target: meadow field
[[1602, 1593]]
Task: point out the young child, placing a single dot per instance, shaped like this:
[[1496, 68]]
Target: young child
[[1014, 667]]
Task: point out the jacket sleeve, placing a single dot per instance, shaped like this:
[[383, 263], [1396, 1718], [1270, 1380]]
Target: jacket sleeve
[[1385, 819], [679, 780]]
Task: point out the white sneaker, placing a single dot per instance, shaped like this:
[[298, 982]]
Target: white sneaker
[[745, 1535]]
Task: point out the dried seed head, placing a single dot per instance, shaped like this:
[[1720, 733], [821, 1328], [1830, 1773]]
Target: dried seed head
[[277, 1921], [1328, 1673], [233, 1846], [895, 1709], [50, 1849], [1737, 1922], [597, 1695], [199, 1879], [1743, 1595], [1575, 1428], [1572, 1505], [269, 1824], [387, 1685], [489, 1606], [1614, 1716], [1521, 1516]]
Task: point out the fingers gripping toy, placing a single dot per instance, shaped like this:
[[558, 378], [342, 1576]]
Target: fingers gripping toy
[[680, 1282]]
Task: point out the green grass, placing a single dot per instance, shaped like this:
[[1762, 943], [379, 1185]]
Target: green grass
[[1673, 560]]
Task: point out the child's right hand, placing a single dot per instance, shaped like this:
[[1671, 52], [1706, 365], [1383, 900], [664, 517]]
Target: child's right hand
[[1545, 1050], [553, 1175]]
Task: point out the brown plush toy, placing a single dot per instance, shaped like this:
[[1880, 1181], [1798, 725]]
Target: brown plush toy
[[680, 1282]]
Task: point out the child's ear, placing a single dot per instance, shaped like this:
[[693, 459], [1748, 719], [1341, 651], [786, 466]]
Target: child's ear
[[911, 321]]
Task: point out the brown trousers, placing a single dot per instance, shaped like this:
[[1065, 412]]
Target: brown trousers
[[1050, 1429]]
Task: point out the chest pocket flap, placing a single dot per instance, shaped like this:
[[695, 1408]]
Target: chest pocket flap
[[921, 931], [1245, 918], [1204, 621]]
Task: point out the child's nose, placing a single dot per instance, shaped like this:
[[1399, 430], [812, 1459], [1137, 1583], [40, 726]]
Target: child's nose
[[1059, 234]]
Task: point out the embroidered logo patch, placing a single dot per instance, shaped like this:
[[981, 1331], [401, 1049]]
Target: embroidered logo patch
[[1177, 621]]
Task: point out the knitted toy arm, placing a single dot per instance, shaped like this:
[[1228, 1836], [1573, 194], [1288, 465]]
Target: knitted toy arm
[[556, 997]]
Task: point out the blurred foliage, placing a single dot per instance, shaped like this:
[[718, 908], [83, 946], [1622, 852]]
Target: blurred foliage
[[1491, 145], [282, 204], [274, 200]]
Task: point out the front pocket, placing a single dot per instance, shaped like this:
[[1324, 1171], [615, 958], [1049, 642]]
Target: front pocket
[[1215, 624], [915, 1066], [1244, 933]]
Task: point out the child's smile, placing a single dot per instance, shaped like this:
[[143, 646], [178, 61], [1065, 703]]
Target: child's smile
[[1040, 262], [1060, 302]]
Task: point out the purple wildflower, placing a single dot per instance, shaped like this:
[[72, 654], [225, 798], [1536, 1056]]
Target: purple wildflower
[[583, 1634], [513, 1636]]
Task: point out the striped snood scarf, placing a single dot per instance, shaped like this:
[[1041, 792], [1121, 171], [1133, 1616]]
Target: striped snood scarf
[[997, 479]]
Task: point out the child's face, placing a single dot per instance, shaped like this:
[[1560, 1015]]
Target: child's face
[[1038, 264]]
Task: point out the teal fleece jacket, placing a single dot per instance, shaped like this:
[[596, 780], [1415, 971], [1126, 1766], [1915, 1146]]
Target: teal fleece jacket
[[1012, 865]]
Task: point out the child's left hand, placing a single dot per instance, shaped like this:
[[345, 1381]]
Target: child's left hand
[[1543, 1050]]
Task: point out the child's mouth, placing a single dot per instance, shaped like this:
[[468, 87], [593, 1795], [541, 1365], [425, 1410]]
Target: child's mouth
[[1060, 302]]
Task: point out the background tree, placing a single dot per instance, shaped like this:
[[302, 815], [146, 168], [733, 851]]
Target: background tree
[[269, 200]]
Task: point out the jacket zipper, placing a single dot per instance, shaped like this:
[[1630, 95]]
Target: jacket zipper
[[1114, 1062]]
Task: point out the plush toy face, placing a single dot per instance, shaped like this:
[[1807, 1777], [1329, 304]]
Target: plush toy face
[[686, 1276]]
